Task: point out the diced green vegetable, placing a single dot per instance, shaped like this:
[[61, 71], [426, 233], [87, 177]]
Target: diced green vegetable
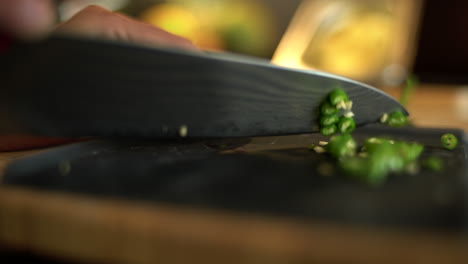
[[356, 167], [331, 119], [397, 119], [449, 141], [346, 125], [341, 146], [409, 151], [338, 95], [329, 130], [380, 156], [327, 109], [327, 120], [432, 163], [383, 156]]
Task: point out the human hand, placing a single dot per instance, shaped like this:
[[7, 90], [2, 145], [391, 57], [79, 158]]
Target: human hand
[[97, 22], [26, 19]]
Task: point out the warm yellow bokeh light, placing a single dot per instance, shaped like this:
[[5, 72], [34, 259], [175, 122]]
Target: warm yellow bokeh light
[[357, 46], [181, 20]]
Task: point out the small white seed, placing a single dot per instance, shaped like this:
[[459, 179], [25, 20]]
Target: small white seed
[[323, 143], [319, 149], [384, 118], [349, 114], [341, 105], [183, 130], [350, 144], [349, 105]]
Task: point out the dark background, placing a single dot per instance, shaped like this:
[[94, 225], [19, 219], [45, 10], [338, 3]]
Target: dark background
[[442, 53], [442, 41]]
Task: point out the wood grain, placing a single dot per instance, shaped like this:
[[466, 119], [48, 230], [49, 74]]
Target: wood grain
[[123, 232]]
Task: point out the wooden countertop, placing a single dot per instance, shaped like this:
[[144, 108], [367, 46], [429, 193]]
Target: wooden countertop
[[93, 230], [438, 106]]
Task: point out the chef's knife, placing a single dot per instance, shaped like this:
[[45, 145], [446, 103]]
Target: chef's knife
[[68, 86]]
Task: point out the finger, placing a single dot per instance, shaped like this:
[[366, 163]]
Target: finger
[[94, 21], [26, 18]]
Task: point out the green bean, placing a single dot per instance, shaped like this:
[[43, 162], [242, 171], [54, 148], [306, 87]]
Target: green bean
[[338, 95], [346, 125], [397, 119], [432, 163], [383, 157], [341, 146], [356, 167], [327, 109], [449, 141], [382, 160], [327, 120], [328, 130], [409, 151]]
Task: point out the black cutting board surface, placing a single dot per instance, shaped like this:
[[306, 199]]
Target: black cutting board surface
[[275, 176]]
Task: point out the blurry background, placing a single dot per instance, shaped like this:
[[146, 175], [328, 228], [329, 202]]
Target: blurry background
[[375, 41]]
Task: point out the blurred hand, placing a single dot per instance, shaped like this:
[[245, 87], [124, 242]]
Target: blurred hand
[[32, 19], [95, 21], [26, 19]]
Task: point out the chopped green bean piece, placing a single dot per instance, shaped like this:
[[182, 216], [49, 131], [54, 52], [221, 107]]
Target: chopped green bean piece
[[329, 130], [372, 143], [327, 109], [346, 125], [341, 146], [376, 166], [449, 141], [383, 157], [432, 163], [338, 95], [397, 119], [327, 120], [383, 160], [409, 151], [356, 166]]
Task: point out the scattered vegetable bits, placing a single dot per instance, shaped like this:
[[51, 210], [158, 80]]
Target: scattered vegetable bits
[[336, 115], [382, 156], [341, 146], [378, 156]]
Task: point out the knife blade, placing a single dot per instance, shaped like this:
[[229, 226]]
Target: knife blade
[[68, 86]]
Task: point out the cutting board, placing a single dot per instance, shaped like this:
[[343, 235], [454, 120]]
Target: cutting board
[[273, 176]]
